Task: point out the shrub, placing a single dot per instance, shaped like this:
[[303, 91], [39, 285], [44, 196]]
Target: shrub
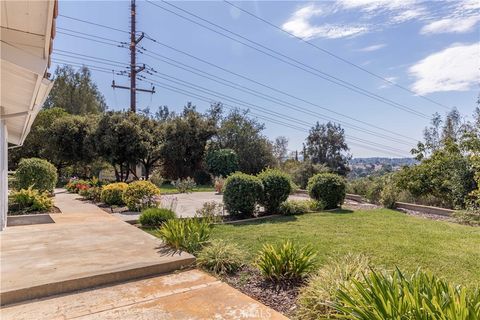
[[276, 189], [156, 178], [140, 195], [74, 185], [302, 171], [219, 183], [316, 298], [470, 217], [37, 173], [29, 200], [293, 207], [112, 194], [220, 257], [286, 261], [397, 296], [222, 162], [210, 210], [241, 193], [389, 196], [328, 188], [189, 234], [155, 217], [202, 177], [93, 194], [184, 185]]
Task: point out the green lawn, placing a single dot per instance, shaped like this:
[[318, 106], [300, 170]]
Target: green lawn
[[169, 189], [389, 238]]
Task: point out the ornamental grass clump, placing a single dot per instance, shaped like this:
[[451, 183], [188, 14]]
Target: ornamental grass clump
[[315, 300], [189, 234], [287, 261], [395, 295], [155, 217], [220, 257]]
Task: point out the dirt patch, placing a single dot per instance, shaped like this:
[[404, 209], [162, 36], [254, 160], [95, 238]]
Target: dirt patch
[[281, 297], [354, 205], [430, 216]]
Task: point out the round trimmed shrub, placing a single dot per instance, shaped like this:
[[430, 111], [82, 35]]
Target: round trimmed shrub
[[329, 188], [221, 162], [112, 194], [241, 193], [36, 173], [140, 195], [155, 217], [276, 189]]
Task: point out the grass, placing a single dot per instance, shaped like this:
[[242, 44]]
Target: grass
[[389, 238], [169, 189]]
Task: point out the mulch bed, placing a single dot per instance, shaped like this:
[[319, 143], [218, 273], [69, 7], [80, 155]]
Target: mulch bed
[[281, 297]]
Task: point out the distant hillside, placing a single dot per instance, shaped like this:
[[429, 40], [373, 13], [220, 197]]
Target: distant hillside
[[364, 167]]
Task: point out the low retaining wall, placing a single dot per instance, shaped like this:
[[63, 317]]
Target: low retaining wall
[[424, 209]]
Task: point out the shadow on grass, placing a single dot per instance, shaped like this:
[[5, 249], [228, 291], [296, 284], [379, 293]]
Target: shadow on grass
[[340, 211]]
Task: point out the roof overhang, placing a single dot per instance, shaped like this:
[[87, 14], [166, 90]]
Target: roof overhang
[[27, 32]]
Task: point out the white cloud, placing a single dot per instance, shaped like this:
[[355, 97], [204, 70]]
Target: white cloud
[[451, 25], [299, 25], [452, 69], [371, 48]]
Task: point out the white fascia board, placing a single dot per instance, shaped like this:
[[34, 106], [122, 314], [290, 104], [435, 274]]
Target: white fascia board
[[23, 59]]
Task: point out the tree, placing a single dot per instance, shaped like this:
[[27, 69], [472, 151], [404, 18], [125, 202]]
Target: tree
[[280, 148], [35, 145], [151, 141], [118, 140], [221, 162], [185, 137], [75, 92], [326, 144], [239, 132]]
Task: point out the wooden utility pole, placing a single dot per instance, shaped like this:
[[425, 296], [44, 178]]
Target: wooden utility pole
[[133, 61]]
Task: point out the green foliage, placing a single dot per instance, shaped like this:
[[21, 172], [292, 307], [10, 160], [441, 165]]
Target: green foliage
[[37, 173], [389, 194], [112, 194], [202, 177], [140, 195], [243, 134], [210, 210], [29, 200], [155, 217], [286, 261], [241, 193], [74, 185], [294, 207], [469, 216], [326, 144], [75, 92], [301, 171], [316, 298], [184, 185], [329, 188], [220, 257], [276, 189], [189, 234], [185, 137], [397, 296], [93, 193], [222, 162]]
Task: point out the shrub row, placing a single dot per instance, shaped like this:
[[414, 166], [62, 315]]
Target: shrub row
[[271, 189]]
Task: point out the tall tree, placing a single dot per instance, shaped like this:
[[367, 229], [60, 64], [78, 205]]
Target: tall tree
[[75, 92], [280, 148], [239, 132], [185, 137], [326, 144]]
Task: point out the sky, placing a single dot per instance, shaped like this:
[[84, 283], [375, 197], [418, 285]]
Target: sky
[[429, 53]]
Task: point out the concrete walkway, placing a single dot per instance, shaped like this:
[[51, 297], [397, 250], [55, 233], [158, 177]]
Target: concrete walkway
[[85, 247], [186, 295]]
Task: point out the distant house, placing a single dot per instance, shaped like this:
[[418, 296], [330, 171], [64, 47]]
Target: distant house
[[27, 33]]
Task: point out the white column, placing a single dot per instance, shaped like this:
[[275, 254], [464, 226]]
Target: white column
[[3, 174]]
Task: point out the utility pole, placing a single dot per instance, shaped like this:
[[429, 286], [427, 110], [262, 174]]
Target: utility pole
[[133, 61]]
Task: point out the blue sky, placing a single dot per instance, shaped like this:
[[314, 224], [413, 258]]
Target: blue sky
[[431, 48]]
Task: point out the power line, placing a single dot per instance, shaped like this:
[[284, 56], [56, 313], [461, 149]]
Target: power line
[[207, 100], [257, 93], [90, 35], [98, 41], [93, 23], [298, 64], [336, 56], [278, 101]]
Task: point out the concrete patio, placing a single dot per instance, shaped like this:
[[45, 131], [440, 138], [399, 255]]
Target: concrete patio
[[84, 247]]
